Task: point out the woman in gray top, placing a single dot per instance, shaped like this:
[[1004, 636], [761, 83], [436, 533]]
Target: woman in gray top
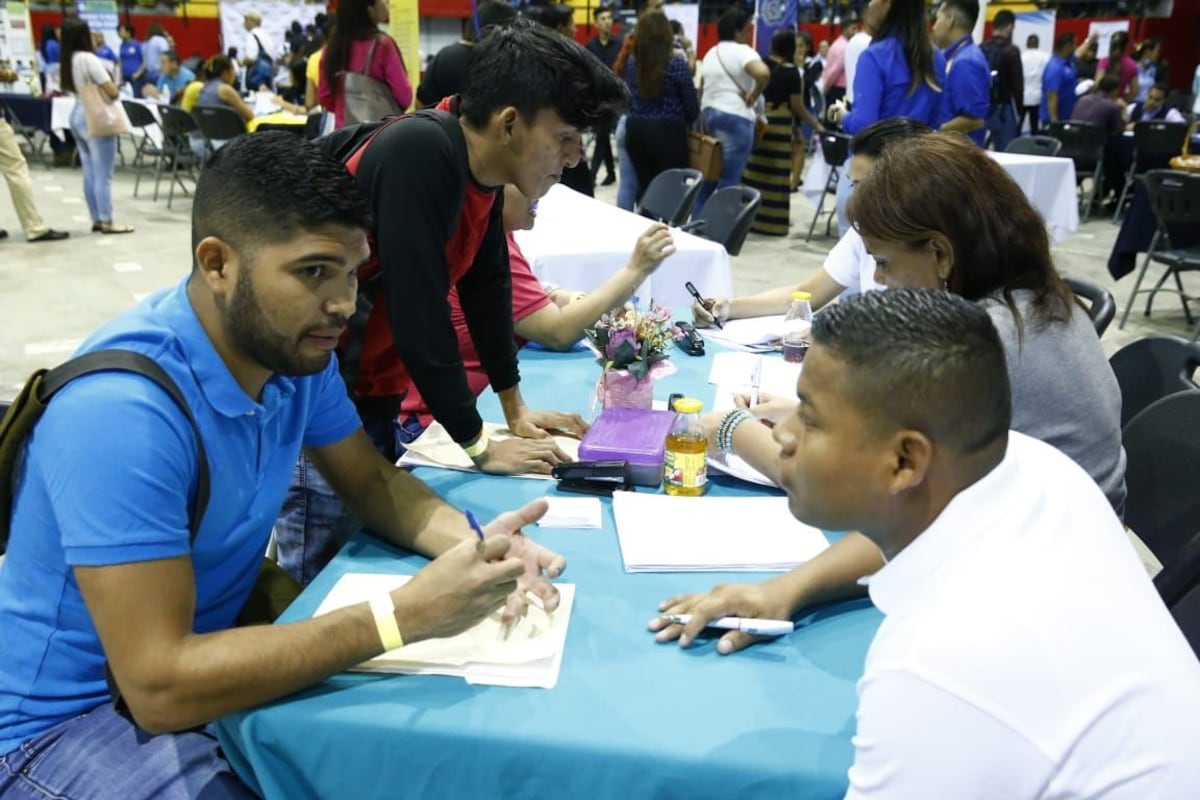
[[937, 212]]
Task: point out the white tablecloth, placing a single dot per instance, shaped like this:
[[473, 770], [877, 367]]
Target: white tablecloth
[[62, 106], [579, 242], [1049, 183]]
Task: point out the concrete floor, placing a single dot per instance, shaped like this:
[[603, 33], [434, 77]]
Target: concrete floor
[[53, 294]]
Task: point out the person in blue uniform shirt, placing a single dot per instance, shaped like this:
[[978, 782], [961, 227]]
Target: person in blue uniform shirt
[[1058, 81], [966, 98], [133, 68]]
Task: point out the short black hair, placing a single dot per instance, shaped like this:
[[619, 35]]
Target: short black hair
[[603, 9], [966, 12], [491, 14], [923, 360], [1003, 19], [553, 15], [533, 68], [1109, 84], [783, 44], [128, 26], [171, 55], [1032, 40], [732, 21], [1062, 40], [263, 188], [873, 139]]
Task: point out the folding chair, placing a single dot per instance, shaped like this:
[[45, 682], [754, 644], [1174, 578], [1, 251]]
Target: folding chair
[[177, 127], [1175, 199], [30, 120], [143, 121], [1083, 143], [1152, 368], [835, 147], [218, 124], [671, 196], [1162, 460], [1155, 143], [727, 216], [1101, 305], [1034, 146]]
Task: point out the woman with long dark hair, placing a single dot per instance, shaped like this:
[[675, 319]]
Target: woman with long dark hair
[[97, 154], [356, 34], [901, 74], [663, 101]]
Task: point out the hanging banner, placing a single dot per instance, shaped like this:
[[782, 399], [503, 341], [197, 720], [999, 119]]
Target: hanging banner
[[772, 16], [16, 46], [406, 30]]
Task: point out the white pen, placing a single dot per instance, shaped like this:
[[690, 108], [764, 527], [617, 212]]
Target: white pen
[[755, 380], [755, 627]]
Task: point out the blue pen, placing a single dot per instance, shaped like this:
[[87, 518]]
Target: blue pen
[[474, 523]]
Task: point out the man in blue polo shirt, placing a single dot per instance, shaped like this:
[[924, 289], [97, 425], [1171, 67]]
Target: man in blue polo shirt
[[173, 78], [1058, 81], [100, 567], [966, 100]]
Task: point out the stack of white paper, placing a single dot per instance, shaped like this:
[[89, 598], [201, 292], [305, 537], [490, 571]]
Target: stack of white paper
[[572, 512], [660, 533], [435, 448], [529, 654], [756, 334]]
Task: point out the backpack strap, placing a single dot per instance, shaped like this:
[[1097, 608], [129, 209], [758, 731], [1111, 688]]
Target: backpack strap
[[128, 361]]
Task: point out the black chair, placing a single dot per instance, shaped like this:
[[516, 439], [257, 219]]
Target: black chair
[[1083, 143], [1155, 143], [30, 119], [177, 127], [671, 196], [143, 121], [1175, 200], [1152, 368], [1162, 460], [835, 148], [218, 124], [1179, 587], [1034, 146], [727, 216], [1101, 305]]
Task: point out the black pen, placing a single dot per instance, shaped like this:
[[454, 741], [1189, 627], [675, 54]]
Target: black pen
[[706, 306]]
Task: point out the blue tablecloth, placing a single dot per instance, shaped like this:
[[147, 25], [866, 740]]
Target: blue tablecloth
[[628, 718]]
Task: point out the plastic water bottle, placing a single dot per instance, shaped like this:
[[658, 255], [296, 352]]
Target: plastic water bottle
[[797, 328], [685, 469]]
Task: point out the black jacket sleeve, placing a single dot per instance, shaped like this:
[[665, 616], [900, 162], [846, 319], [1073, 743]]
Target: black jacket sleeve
[[415, 175], [485, 294]]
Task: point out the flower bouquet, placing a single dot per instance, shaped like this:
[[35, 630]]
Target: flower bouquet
[[632, 347]]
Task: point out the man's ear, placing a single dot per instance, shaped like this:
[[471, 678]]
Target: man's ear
[[912, 453], [506, 120], [217, 264]]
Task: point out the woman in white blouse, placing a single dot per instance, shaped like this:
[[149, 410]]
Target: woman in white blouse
[[97, 154], [733, 77]]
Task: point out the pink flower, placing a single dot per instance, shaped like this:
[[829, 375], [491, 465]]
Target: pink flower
[[616, 338]]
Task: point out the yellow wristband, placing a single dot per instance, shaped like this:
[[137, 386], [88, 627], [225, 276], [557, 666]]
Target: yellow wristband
[[477, 449], [384, 611]]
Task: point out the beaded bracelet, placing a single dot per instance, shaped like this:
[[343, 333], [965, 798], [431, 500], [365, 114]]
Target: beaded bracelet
[[729, 423]]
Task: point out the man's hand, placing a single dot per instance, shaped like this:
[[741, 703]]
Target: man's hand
[[457, 589], [518, 456], [540, 424], [540, 564], [712, 308], [652, 247], [755, 600]]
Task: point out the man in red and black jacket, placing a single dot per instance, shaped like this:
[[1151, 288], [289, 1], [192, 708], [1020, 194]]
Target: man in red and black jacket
[[434, 181]]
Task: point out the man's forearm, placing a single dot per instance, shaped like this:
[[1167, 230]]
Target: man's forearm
[[402, 510], [214, 674], [962, 124], [766, 303], [833, 575], [1052, 106]]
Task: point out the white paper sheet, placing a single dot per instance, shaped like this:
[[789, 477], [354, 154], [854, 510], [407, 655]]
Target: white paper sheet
[[572, 512], [736, 372], [530, 655], [756, 332], [660, 533]]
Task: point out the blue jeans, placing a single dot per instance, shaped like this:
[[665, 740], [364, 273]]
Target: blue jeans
[[98, 157], [101, 755], [627, 182], [314, 524], [1003, 126], [736, 135]]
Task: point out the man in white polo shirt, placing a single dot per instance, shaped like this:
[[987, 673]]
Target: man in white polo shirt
[[848, 268], [1024, 653]]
